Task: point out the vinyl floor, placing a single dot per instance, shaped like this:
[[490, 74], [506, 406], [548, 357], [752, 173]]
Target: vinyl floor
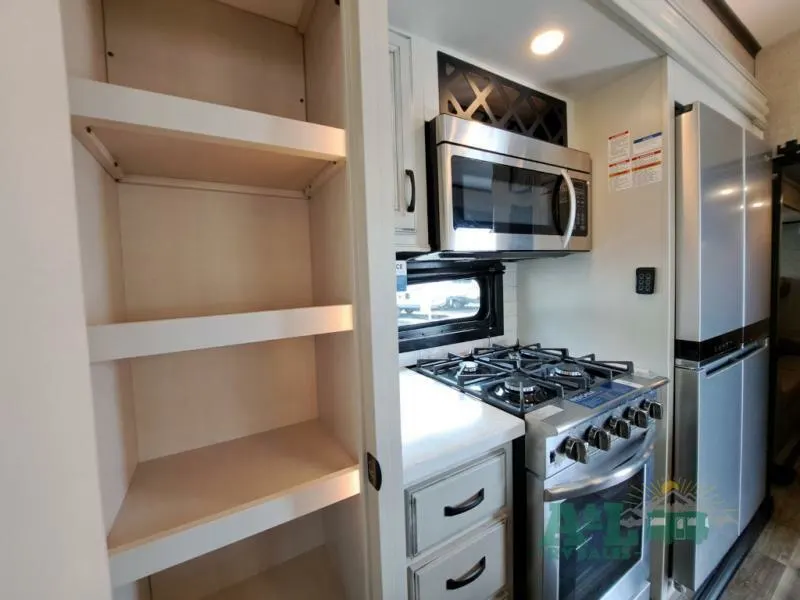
[[771, 571]]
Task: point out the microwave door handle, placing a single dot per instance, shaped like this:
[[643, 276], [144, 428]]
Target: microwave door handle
[[573, 208], [594, 484], [555, 206]]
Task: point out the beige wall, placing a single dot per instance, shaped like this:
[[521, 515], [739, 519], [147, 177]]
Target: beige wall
[[778, 71], [51, 533]]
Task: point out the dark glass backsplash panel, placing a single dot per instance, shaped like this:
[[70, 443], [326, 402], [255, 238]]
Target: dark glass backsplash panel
[[475, 94]]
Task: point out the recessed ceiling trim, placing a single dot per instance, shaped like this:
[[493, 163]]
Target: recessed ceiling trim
[[672, 29], [734, 24]]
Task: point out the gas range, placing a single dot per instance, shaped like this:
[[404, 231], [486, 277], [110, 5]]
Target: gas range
[[575, 407]]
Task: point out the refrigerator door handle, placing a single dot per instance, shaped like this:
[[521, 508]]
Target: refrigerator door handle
[[753, 349], [739, 356], [729, 364]]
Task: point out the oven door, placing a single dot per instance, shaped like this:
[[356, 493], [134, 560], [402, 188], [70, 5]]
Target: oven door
[[491, 202], [592, 537]]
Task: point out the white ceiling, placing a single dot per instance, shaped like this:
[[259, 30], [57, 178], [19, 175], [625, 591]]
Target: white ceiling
[[498, 34], [768, 20]]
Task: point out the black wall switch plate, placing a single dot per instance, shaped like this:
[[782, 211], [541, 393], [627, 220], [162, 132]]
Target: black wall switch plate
[[645, 280]]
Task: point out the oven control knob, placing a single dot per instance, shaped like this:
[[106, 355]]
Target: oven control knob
[[638, 417], [599, 438], [619, 427], [576, 449], [654, 409]]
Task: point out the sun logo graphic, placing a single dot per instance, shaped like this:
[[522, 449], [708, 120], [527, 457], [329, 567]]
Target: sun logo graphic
[[679, 511], [616, 527]]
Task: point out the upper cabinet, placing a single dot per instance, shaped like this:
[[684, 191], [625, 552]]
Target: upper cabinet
[[407, 127]]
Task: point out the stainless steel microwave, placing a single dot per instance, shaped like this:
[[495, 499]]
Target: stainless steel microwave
[[501, 193]]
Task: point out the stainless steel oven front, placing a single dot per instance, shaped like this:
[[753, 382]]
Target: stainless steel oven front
[[498, 191], [589, 528]]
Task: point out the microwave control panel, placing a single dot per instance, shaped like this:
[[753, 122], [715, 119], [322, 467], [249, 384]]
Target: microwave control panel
[[582, 213]]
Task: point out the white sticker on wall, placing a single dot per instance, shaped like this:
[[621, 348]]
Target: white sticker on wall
[[648, 168], [619, 147], [648, 143], [619, 176]]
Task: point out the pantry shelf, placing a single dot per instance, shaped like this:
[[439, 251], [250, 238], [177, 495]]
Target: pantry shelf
[[309, 575], [149, 338], [134, 132], [186, 505]]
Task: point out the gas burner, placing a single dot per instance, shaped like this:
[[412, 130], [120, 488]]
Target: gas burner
[[469, 367], [519, 384], [520, 391], [568, 370]]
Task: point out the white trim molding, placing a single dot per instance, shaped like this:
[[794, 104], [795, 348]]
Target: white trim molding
[[671, 28]]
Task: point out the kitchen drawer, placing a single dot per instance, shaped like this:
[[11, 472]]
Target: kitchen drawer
[[445, 507], [474, 571]]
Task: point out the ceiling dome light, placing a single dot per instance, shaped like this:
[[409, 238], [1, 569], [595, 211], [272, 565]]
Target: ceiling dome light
[[547, 42]]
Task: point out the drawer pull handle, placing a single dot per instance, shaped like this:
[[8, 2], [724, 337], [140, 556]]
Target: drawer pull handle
[[468, 577], [466, 506], [413, 204]]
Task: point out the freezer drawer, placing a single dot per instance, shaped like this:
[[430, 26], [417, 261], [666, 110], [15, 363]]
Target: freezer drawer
[[755, 391], [707, 466]]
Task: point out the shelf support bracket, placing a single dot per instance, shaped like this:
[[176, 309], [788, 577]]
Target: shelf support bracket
[[305, 16], [323, 177], [101, 154]]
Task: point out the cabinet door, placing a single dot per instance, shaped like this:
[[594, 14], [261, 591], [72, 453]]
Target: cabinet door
[[410, 211]]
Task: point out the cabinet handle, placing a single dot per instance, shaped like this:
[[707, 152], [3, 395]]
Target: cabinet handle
[[468, 577], [412, 206], [467, 505]]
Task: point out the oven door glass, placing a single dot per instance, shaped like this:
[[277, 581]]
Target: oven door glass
[[601, 538], [505, 199]]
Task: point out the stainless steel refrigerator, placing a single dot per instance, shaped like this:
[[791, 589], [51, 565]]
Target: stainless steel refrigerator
[[723, 245]]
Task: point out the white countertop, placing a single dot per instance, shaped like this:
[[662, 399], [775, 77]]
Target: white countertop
[[442, 428]]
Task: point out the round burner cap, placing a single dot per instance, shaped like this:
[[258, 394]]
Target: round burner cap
[[567, 370], [469, 366], [518, 384]]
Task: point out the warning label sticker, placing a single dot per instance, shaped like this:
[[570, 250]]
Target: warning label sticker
[[620, 176], [647, 168], [619, 147]]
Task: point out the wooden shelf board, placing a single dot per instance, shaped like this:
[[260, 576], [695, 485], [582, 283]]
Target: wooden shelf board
[[150, 338], [182, 506], [289, 12], [309, 576], [158, 135]]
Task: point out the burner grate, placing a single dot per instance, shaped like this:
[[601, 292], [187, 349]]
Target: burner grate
[[520, 377]]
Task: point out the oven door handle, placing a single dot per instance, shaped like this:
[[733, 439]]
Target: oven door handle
[[591, 485], [573, 208]]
